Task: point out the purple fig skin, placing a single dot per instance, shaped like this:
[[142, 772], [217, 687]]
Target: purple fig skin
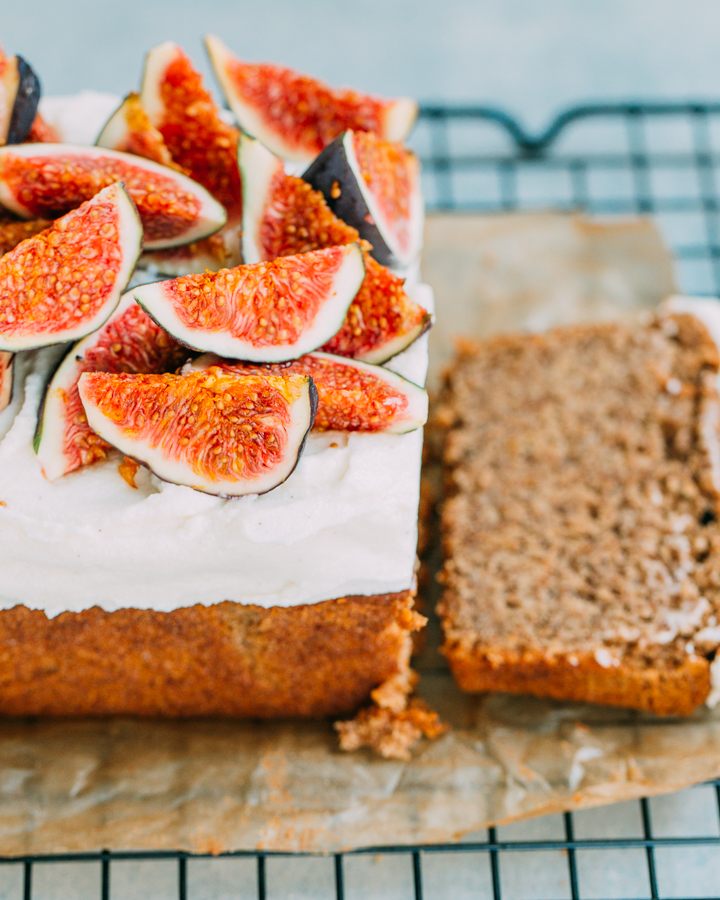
[[332, 167], [25, 104]]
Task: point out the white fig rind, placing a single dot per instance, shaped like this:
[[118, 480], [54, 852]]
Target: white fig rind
[[415, 414], [258, 167], [247, 117], [115, 131], [386, 351], [9, 82], [399, 119], [49, 443], [156, 62]]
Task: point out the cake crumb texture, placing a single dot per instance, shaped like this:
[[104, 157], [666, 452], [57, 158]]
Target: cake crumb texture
[[395, 720], [391, 734], [580, 529], [227, 659]]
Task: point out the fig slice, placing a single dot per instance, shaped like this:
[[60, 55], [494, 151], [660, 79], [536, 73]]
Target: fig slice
[[64, 282], [373, 185], [267, 312], [381, 321], [213, 431], [48, 180], [128, 342], [130, 130], [19, 98], [352, 395], [282, 214], [296, 116], [189, 120]]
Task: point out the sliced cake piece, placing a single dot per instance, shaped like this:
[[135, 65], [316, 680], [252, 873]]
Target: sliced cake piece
[[581, 532]]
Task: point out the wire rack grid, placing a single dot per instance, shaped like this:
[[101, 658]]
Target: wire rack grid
[[658, 159]]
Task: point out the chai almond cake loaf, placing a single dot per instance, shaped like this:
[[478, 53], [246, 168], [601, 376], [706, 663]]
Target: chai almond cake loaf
[[581, 536], [211, 400]]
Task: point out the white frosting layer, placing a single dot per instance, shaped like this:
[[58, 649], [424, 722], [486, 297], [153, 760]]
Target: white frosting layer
[[344, 523]]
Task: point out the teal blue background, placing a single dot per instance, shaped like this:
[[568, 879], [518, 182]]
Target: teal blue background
[[532, 56]]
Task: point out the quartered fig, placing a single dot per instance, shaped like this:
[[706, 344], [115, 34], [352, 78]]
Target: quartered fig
[[213, 431], [183, 111], [381, 321], [282, 214], [268, 312], [128, 342], [65, 282], [48, 180], [352, 395], [19, 98], [373, 185], [296, 116], [130, 130]]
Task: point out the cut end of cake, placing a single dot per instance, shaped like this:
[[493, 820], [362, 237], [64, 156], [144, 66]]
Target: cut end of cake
[[395, 720], [581, 529]]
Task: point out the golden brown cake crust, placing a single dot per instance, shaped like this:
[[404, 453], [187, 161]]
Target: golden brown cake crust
[[582, 527], [669, 691], [223, 660]]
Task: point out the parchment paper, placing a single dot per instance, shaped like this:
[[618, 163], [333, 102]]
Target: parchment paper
[[533, 270], [213, 786]]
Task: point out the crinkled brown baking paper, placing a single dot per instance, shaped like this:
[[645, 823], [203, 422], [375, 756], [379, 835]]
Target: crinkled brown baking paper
[[533, 270], [211, 786]]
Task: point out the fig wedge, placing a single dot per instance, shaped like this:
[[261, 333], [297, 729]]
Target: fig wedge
[[267, 312], [213, 431], [48, 180]]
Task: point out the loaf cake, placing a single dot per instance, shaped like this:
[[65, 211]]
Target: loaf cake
[[126, 594], [580, 529]]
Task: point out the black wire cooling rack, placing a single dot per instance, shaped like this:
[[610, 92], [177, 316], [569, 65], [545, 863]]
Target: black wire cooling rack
[[492, 854], [659, 159]]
